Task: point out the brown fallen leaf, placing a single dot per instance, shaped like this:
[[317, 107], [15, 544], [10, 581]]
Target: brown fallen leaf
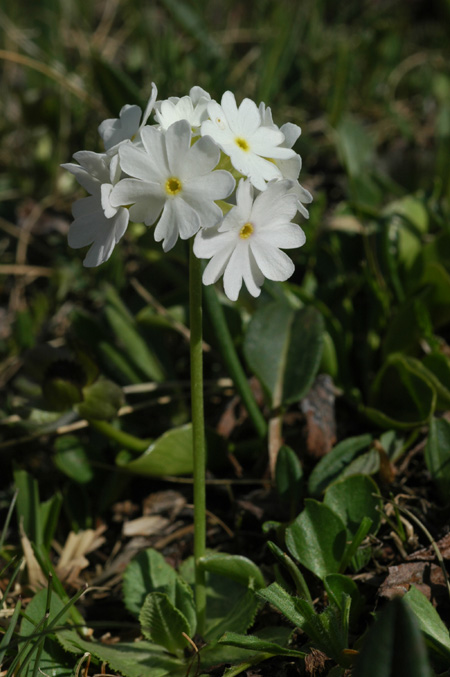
[[428, 554], [36, 578], [73, 558], [148, 525], [318, 409], [169, 502], [427, 577]]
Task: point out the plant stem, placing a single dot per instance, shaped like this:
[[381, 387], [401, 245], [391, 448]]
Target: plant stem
[[124, 439], [198, 433], [232, 362]]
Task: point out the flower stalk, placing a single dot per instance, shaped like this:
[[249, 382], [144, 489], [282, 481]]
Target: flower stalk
[[198, 433]]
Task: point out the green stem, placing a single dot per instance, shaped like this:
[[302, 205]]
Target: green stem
[[198, 433], [124, 439], [232, 362]]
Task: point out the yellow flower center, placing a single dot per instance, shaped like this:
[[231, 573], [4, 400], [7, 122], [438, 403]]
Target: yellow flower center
[[242, 143], [173, 186], [246, 230]]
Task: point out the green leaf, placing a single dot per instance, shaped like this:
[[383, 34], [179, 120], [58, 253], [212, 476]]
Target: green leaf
[[435, 631], [149, 572], [437, 280], [27, 505], [442, 371], [437, 455], [297, 576], [365, 464], [229, 605], [49, 516], [337, 586], [357, 557], [235, 611], [286, 603], [101, 400], [353, 498], [52, 659], [253, 643], [355, 146], [439, 365], [412, 209], [71, 459], [330, 467], [317, 539], [236, 567], [170, 454], [400, 396], [163, 623], [328, 630], [132, 659], [136, 349], [288, 475], [393, 646], [216, 653], [286, 360]]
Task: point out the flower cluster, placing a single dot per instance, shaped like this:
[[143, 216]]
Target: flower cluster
[[166, 174]]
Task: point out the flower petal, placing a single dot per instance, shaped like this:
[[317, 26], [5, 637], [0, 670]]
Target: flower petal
[[233, 275], [201, 158], [154, 142], [146, 199], [88, 182], [210, 242], [253, 278], [265, 140], [286, 236], [230, 109], [208, 213], [216, 185], [150, 105], [275, 205], [138, 163], [291, 133], [178, 141], [216, 267], [249, 118], [273, 263]]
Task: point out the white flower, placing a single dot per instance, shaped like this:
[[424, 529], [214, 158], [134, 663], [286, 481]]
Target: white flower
[[246, 246], [290, 168], [175, 178], [241, 134], [97, 222], [128, 125], [192, 108]]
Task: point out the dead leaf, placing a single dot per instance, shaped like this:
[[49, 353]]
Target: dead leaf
[[428, 554], [170, 502], [36, 578], [148, 525], [72, 559], [427, 577], [318, 408]]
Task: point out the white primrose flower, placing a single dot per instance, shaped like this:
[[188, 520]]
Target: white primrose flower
[[290, 168], [128, 125], [241, 134], [171, 177], [246, 245], [192, 108], [97, 222]]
